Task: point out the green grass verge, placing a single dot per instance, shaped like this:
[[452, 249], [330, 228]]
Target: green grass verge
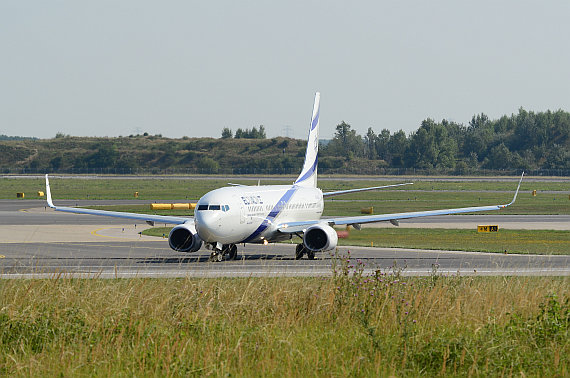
[[403, 201], [542, 242], [424, 195], [422, 191], [347, 325], [395, 202]]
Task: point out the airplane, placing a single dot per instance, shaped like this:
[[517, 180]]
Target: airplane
[[240, 214]]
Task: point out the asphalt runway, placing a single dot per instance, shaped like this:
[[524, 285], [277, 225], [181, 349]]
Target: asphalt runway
[[109, 259], [41, 243]]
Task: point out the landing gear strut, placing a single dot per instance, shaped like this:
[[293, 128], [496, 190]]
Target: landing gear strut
[[228, 252], [300, 250]]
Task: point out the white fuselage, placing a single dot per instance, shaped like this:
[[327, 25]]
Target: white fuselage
[[250, 214]]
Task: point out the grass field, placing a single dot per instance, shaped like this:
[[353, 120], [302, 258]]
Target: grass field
[[385, 324], [423, 195], [400, 201], [542, 242], [346, 325]]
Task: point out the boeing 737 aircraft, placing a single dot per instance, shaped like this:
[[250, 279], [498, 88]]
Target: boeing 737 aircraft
[[240, 214]]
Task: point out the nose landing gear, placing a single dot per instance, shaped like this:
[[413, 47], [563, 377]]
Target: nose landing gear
[[228, 252]]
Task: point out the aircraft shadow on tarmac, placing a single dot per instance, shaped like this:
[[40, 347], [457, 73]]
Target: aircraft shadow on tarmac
[[275, 257], [205, 259]]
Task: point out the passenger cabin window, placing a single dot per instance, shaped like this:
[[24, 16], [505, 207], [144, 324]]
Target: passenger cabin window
[[202, 207]]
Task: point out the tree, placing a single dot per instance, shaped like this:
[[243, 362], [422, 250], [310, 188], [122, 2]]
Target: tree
[[251, 134], [383, 145], [105, 157], [499, 157], [370, 142], [227, 133], [397, 148], [431, 147], [346, 142], [208, 165], [262, 132]]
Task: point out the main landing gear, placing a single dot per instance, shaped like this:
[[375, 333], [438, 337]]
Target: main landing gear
[[228, 252], [300, 250]]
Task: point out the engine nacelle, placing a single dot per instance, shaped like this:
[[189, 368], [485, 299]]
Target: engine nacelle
[[320, 237], [184, 238]]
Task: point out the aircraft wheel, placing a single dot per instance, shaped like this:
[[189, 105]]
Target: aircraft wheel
[[310, 255], [220, 257], [299, 251], [232, 251]]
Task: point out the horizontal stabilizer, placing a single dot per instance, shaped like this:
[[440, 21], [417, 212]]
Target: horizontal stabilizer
[[339, 192]]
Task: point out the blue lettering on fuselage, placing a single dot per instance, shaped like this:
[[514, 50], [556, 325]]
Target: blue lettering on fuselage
[[252, 200]]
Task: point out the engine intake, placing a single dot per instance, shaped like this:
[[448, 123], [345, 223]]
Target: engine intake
[[320, 237], [184, 238]]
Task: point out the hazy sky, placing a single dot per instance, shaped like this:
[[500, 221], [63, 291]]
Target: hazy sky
[[109, 68]]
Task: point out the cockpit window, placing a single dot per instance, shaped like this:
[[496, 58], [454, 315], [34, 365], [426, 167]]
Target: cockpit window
[[213, 207]]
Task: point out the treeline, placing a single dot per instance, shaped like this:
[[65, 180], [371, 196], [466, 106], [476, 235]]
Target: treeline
[[6, 137], [254, 133], [527, 140], [151, 154]]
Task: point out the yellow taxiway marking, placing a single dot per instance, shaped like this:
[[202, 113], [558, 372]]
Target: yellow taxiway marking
[[2, 256], [94, 232]]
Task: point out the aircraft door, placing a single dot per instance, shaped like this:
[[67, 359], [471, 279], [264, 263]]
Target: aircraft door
[[241, 212]]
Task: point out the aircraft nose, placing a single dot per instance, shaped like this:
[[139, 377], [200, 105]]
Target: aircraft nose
[[207, 225]]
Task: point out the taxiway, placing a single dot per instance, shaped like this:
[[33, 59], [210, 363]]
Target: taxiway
[[37, 242]]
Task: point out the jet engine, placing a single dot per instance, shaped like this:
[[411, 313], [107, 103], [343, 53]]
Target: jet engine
[[320, 237], [184, 238]]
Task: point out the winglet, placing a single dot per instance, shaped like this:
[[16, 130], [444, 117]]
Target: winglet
[[516, 193], [48, 193]]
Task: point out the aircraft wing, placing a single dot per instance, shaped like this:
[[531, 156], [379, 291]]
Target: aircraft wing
[[295, 227], [116, 214]]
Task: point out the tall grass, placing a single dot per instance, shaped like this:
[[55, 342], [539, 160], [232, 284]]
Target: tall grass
[[349, 324]]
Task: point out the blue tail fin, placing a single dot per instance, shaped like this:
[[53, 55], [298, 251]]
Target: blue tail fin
[[308, 176]]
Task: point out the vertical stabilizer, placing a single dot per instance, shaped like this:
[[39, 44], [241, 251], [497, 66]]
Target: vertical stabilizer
[[308, 176], [48, 193]]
